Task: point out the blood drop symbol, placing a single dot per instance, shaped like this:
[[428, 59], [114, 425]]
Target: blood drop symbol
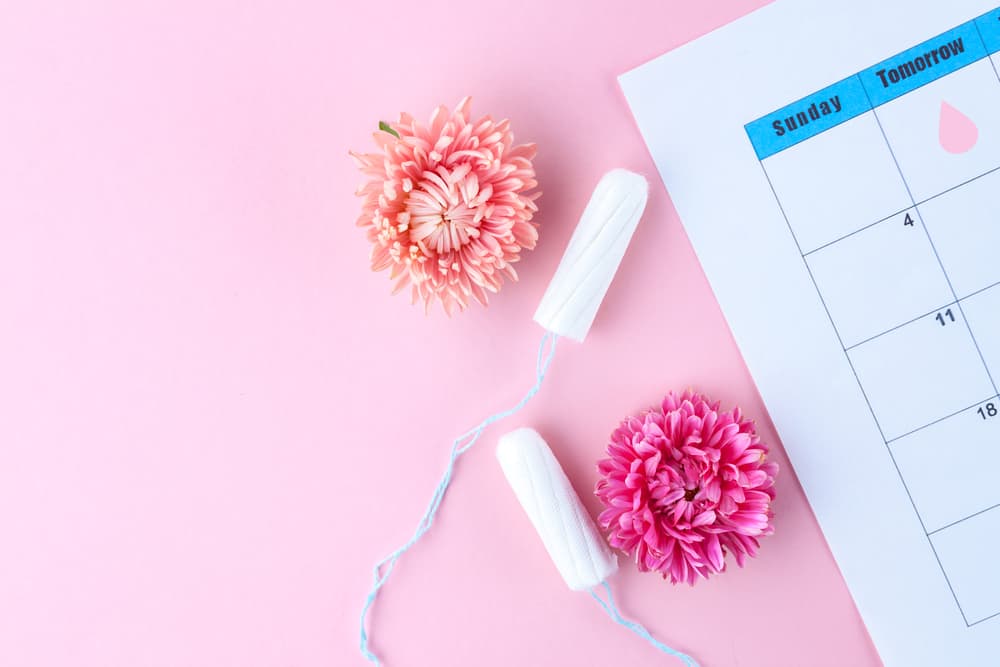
[[956, 131]]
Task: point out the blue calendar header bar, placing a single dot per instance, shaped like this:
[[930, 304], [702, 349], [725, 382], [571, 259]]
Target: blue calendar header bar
[[875, 86], [808, 117], [989, 28], [922, 64]]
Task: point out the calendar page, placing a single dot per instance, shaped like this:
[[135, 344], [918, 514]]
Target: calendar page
[[837, 168]]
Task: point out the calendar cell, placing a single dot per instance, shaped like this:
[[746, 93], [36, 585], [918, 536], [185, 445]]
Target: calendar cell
[[946, 132], [921, 372], [967, 552], [824, 202], [950, 467], [879, 278], [964, 225]]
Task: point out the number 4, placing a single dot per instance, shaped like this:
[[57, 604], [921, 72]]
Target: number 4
[[908, 221]]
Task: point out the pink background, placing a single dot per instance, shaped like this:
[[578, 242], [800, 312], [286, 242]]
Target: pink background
[[214, 418]]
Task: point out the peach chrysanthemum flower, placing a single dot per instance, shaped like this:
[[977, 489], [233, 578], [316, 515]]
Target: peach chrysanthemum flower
[[447, 205]]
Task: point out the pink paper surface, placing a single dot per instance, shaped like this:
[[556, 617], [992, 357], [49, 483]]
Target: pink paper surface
[[214, 419]]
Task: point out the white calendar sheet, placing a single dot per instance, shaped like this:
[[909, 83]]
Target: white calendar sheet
[[837, 168]]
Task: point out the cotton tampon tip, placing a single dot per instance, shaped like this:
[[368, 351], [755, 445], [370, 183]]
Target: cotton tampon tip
[[594, 252], [579, 551]]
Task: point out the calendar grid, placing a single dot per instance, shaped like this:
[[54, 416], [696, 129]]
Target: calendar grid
[[901, 325], [864, 394], [937, 255], [910, 428], [941, 419], [871, 282], [902, 211], [922, 315]]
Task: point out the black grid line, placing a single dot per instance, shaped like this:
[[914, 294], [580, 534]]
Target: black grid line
[[964, 518], [902, 211], [856, 231], [955, 187], [985, 618], [933, 311], [980, 291], [900, 326], [941, 419]]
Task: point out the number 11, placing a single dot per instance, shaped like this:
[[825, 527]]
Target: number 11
[[940, 317]]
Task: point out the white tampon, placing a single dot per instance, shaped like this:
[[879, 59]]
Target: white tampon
[[593, 254], [579, 551], [568, 308]]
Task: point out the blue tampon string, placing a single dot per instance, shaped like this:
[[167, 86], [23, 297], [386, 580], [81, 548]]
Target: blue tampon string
[[461, 444], [612, 609]]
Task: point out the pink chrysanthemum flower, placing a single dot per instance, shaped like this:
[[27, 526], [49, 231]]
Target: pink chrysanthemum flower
[[684, 485], [447, 206]]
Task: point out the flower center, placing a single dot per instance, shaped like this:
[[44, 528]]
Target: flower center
[[441, 219], [454, 229], [690, 494]]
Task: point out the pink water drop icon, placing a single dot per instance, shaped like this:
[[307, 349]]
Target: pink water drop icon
[[956, 131]]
